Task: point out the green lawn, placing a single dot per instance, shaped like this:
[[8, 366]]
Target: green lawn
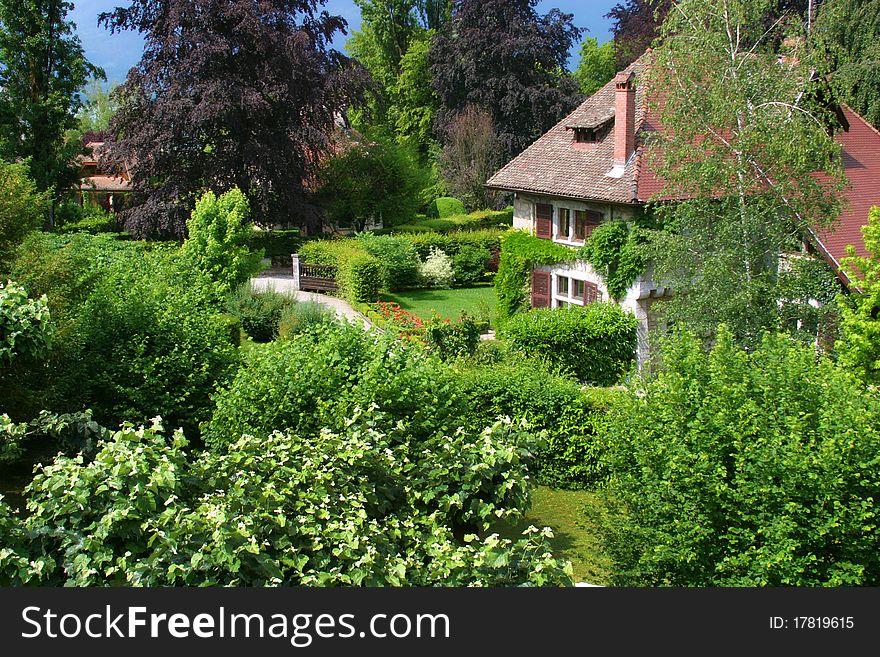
[[570, 514], [478, 302]]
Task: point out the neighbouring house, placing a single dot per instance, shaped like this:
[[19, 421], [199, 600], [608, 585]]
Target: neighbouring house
[[591, 167], [97, 185]]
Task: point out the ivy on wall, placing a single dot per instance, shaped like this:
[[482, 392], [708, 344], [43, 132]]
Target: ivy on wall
[[615, 252]]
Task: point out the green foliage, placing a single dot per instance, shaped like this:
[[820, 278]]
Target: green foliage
[[98, 106], [259, 312], [276, 244], [809, 290], [24, 324], [174, 353], [21, 208], [849, 33], [72, 218], [555, 406], [452, 339], [743, 142], [218, 238], [436, 270], [42, 67], [445, 206], [859, 346], [475, 221], [745, 469], [346, 508], [398, 256], [520, 254], [362, 278], [11, 436], [330, 252], [615, 250], [597, 65], [303, 316], [596, 342], [375, 179], [452, 243], [469, 264]]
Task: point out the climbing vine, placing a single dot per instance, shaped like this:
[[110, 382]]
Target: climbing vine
[[615, 252], [520, 254]]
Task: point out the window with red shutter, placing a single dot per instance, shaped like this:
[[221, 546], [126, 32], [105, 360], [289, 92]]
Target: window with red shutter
[[540, 289], [584, 223], [544, 220], [591, 293]]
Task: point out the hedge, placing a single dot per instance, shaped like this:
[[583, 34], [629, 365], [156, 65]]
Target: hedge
[[452, 243], [361, 278], [463, 222], [596, 342], [446, 206], [520, 254], [276, 244]]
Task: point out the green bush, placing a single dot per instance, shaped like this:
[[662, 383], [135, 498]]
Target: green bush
[[303, 316], [571, 455], [231, 325], [482, 219], [445, 206], [596, 342], [22, 208], [218, 237], [25, 327], [469, 264], [92, 220], [520, 254], [436, 270], [745, 469], [452, 243], [259, 312], [354, 507], [151, 344], [398, 257], [362, 278], [452, 339], [276, 244]]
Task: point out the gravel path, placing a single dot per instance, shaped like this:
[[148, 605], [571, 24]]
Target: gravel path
[[283, 283]]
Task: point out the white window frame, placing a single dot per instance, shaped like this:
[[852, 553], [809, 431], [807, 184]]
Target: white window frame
[[568, 240], [556, 298]]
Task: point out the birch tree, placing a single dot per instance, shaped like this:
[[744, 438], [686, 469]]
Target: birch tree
[[741, 134]]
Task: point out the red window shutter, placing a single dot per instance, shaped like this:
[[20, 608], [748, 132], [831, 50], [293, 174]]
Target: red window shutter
[[591, 293], [540, 289], [593, 220], [544, 220]]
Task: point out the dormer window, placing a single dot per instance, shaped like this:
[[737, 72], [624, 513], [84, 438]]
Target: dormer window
[[585, 135]]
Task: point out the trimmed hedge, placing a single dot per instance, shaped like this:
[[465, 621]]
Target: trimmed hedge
[[276, 244], [361, 278], [452, 243], [596, 343], [520, 254], [464, 222], [446, 206]]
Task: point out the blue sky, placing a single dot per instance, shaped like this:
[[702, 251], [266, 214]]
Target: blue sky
[[117, 53]]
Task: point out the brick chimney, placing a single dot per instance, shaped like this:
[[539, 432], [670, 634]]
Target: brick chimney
[[624, 118]]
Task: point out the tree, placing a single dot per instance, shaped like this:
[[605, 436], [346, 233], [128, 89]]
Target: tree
[[744, 469], [99, 106], [859, 346], [636, 25], [472, 153], [228, 94], [743, 137], [22, 208], [850, 31], [217, 242], [42, 65], [504, 58], [597, 65], [24, 324]]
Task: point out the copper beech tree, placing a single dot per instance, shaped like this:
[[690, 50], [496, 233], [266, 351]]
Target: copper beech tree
[[229, 94]]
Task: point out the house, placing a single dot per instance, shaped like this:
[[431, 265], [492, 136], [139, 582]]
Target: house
[[97, 186], [591, 167]]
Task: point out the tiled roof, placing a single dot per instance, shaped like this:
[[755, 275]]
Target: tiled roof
[[555, 166], [861, 159]]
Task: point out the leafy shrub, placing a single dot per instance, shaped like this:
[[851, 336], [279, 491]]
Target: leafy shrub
[[614, 250], [452, 243], [91, 219], [354, 507], [152, 344], [218, 238], [398, 257], [231, 325], [520, 254], [452, 339], [571, 455], [361, 278], [745, 469], [596, 342], [24, 324], [303, 316], [469, 264], [22, 208], [436, 270], [259, 312], [276, 244], [475, 221], [446, 206], [11, 437]]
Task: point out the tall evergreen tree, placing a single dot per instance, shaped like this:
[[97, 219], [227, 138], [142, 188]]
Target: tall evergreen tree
[[229, 94], [42, 66], [503, 57]]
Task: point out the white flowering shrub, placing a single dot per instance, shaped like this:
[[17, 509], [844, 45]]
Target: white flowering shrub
[[436, 270]]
